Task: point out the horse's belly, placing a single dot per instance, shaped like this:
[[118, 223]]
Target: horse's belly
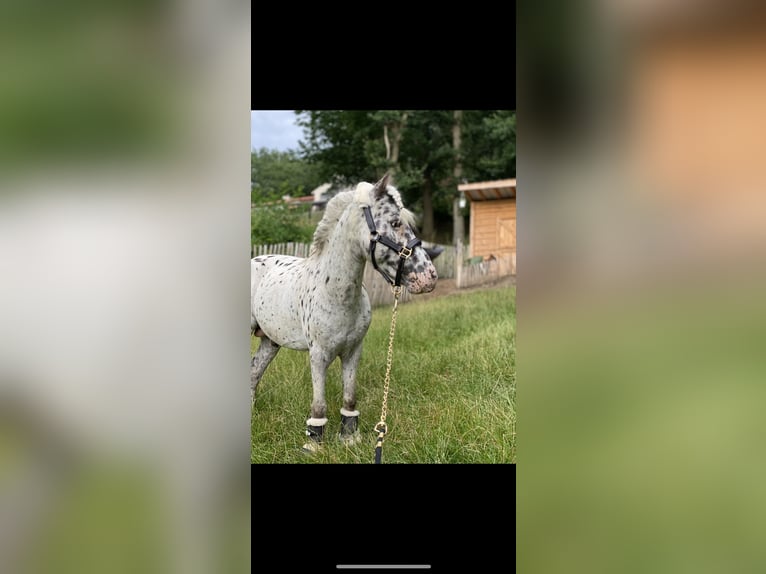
[[342, 329], [283, 332], [276, 310]]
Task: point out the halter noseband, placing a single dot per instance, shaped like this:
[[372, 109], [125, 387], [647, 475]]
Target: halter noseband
[[404, 251]]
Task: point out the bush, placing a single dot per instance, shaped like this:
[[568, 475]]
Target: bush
[[279, 224]]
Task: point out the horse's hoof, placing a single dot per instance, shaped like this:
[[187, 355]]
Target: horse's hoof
[[311, 447], [349, 427], [350, 439]]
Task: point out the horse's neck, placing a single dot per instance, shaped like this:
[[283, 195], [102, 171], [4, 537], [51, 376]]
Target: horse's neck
[[341, 263]]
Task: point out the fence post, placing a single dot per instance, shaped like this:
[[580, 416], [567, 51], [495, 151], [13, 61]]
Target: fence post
[[459, 263]]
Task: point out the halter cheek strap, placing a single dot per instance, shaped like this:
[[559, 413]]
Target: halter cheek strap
[[404, 251]]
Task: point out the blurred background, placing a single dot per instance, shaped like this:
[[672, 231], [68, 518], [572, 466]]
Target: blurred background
[[123, 223], [124, 429], [641, 277]]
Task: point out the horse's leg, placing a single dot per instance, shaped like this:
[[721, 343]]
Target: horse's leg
[[316, 423], [349, 416], [267, 350]]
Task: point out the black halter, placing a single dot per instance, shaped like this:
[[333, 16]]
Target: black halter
[[404, 251]]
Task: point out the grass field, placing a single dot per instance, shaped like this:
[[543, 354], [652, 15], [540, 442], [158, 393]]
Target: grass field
[[452, 395]]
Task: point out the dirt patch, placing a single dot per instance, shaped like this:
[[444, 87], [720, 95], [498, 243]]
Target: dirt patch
[[446, 287]]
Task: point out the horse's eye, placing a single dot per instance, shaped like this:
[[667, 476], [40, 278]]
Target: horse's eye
[[396, 224]]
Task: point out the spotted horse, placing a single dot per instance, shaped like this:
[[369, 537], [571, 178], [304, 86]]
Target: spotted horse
[[318, 303]]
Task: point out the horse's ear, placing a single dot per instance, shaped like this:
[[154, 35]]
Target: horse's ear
[[380, 187]]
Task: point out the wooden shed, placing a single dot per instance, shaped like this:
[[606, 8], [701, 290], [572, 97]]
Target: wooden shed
[[493, 219]]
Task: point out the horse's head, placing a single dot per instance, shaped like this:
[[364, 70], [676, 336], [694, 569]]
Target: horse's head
[[390, 240]]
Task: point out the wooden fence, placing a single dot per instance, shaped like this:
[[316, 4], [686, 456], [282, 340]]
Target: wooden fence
[[478, 270], [451, 263], [294, 249], [445, 261], [378, 289]]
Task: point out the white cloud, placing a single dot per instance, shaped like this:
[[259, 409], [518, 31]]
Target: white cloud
[[274, 129]]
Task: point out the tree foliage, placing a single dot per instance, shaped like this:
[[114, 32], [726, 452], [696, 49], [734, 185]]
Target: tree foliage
[[417, 145], [274, 174], [346, 146], [280, 224], [490, 143]]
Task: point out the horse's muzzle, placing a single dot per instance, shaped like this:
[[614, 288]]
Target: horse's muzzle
[[424, 282]]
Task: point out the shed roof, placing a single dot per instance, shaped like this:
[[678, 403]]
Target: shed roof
[[483, 190]]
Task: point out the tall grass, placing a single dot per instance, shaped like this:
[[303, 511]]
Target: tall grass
[[452, 397]]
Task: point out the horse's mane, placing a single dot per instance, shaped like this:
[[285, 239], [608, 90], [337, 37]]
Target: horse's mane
[[338, 204], [332, 212]]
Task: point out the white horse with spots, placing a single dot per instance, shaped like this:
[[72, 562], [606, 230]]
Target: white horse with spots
[[318, 304]]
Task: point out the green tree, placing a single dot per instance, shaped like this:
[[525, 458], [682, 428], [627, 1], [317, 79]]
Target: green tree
[[458, 222], [361, 145], [489, 145], [426, 162], [274, 174], [421, 147], [280, 224], [346, 146]]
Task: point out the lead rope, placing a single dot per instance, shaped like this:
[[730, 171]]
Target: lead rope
[[382, 428]]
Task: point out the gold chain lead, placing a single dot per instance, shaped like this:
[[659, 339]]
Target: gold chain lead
[[381, 427]]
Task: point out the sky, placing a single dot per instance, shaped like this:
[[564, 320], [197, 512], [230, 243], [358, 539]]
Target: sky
[[274, 129]]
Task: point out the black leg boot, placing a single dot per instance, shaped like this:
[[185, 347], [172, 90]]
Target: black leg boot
[[315, 431], [349, 427]]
